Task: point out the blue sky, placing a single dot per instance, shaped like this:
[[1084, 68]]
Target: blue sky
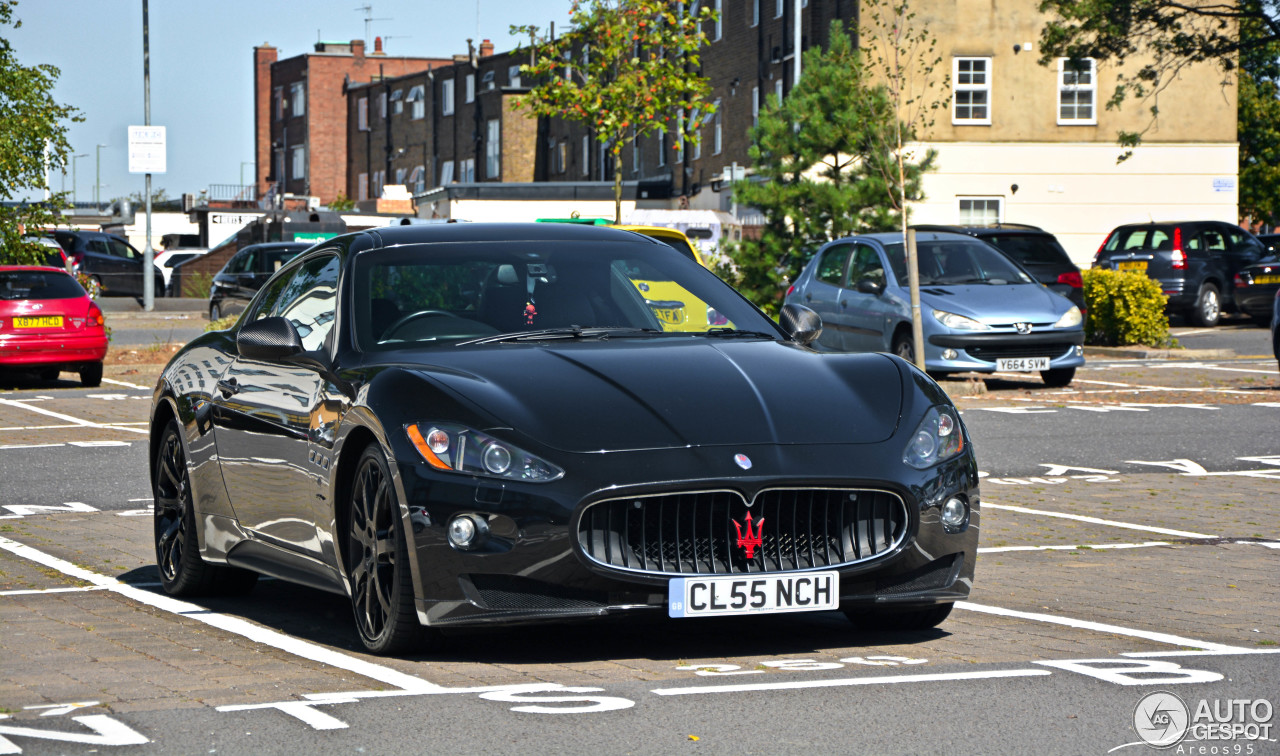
[[201, 68]]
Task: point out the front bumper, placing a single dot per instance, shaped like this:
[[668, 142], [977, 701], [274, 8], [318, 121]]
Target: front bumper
[[978, 352], [533, 568]]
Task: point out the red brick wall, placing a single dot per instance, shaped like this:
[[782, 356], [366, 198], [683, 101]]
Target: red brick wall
[[263, 57]]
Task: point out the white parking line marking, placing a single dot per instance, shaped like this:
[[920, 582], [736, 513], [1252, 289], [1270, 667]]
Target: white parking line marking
[[68, 418], [28, 446], [1161, 654], [1100, 627], [1006, 549], [234, 625], [123, 383], [1098, 521], [41, 591], [847, 681]]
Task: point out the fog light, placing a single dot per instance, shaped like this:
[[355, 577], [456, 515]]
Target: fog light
[[949, 354], [955, 513], [1079, 350], [497, 459], [467, 531]]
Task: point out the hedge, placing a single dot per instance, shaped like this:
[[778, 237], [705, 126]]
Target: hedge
[[1124, 308]]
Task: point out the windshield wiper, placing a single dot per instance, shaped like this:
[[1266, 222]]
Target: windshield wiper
[[549, 334], [733, 332]]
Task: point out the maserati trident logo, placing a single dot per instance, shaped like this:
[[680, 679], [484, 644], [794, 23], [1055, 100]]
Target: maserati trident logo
[[743, 461], [752, 540], [1023, 327]]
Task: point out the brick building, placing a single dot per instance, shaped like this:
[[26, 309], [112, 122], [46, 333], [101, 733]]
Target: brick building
[[300, 113]]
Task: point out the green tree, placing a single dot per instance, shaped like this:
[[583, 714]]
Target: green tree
[[34, 140], [1166, 36], [627, 70], [836, 175], [1258, 126], [342, 203]]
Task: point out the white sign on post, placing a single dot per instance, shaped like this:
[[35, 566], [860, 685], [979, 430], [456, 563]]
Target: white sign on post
[[147, 149]]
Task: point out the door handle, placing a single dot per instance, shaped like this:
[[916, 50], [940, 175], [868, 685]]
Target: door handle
[[808, 297], [228, 386], [844, 303]]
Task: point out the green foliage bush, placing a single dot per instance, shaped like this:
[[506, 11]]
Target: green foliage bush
[[1124, 308]]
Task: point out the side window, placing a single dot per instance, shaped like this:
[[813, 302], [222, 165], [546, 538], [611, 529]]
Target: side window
[[120, 249], [309, 300], [1214, 241], [98, 246], [236, 264], [831, 266], [866, 265]]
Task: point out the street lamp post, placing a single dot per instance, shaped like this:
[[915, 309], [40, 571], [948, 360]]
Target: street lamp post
[[74, 158], [97, 177]]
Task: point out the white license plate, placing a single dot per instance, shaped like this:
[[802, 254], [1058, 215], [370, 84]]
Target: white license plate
[[1022, 364], [753, 594]]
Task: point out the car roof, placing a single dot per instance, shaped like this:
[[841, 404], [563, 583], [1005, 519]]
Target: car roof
[[895, 237], [990, 229], [475, 232]]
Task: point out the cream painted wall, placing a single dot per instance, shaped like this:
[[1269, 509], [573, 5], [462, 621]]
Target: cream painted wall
[[520, 211], [1078, 192]]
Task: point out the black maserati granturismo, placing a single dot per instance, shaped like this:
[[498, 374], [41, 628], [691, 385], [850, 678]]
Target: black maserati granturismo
[[476, 424]]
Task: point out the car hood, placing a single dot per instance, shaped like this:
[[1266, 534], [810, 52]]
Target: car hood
[[660, 394], [997, 304]]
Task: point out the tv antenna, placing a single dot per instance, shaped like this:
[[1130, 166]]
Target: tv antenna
[[369, 19]]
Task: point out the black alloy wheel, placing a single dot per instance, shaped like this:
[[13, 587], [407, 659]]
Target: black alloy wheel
[[904, 347], [182, 571], [215, 311], [875, 620], [378, 561]]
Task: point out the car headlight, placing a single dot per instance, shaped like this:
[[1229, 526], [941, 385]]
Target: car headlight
[[1070, 319], [937, 438], [455, 448], [959, 322]]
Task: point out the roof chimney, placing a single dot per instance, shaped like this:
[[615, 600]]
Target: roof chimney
[[486, 49], [377, 46], [357, 48]]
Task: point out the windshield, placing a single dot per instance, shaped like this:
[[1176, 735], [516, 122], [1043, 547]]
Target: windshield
[[35, 284], [953, 262], [450, 293]]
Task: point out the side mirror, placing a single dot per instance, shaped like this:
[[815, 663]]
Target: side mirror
[[801, 324], [273, 339], [868, 286]]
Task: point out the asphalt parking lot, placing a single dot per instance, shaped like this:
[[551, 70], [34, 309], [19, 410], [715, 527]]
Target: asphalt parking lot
[[1128, 546]]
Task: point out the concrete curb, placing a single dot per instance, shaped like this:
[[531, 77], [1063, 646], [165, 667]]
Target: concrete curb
[[1149, 353], [124, 305]]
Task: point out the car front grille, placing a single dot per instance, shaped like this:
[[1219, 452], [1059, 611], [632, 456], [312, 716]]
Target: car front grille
[[707, 532], [994, 352]]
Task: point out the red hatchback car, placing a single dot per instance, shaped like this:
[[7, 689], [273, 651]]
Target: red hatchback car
[[49, 324]]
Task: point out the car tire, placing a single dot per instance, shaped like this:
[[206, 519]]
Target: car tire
[[377, 561], [215, 312], [91, 375], [1207, 310], [182, 571], [878, 620], [1058, 377], [904, 348]]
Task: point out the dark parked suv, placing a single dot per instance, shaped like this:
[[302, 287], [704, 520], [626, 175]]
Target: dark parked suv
[[1035, 249], [109, 260], [245, 273], [1194, 261]]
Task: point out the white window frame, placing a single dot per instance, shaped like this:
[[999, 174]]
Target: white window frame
[[662, 148], [278, 95], [697, 145], [362, 114], [779, 8], [1076, 88], [586, 156], [378, 178], [755, 13], [636, 157], [382, 105], [418, 96], [397, 102], [716, 132], [362, 186], [493, 150], [446, 97], [680, 138], [958, 87], [467, 171], [446, 173], [513, 76], [416, 179], [755, 106], [297, 99], [967, 216], [777, 90], [298, 162], [470, 88], [717, 30]]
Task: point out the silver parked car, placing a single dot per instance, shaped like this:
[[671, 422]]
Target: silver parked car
[[981, 311]]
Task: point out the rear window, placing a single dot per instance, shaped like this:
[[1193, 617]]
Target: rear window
[[1148, 239], [38, 284], [1030, 249]]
